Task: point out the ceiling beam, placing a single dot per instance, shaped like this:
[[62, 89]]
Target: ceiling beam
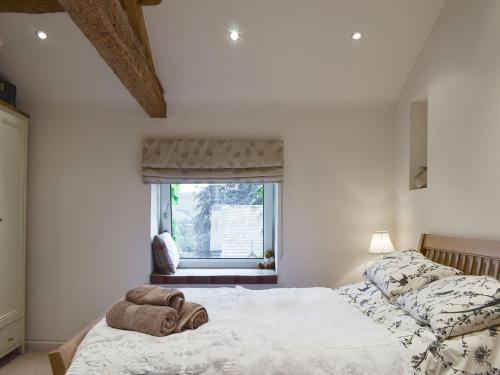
[[45, 6], [149, 2], [106, 26], [136, 20], [30, 6]]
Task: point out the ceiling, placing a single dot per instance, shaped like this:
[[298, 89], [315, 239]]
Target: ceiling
[[290, 51]]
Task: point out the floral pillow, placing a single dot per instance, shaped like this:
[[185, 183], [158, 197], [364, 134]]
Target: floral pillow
[[404, 271], [455, 305]]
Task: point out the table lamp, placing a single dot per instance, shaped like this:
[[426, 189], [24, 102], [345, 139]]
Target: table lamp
[[381, 243]]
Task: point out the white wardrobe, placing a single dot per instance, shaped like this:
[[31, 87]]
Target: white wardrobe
[[13, 132]]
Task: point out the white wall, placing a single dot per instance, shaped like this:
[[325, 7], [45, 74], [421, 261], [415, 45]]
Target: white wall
[[89, 212], [459, 72]]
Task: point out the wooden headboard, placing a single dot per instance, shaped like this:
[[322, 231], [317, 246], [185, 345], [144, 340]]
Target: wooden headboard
[[473, 257]]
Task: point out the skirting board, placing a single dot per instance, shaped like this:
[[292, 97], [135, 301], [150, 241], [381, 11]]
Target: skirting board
[[41, 345]]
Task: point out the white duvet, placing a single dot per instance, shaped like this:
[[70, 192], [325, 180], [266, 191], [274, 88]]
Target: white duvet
[[276, 331]]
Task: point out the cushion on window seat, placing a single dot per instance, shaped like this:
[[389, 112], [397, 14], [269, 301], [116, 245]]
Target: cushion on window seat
[[165, 254]]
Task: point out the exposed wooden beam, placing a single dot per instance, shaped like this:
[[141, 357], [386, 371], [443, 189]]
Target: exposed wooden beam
[[45, 6], [30, 6], [136, 20], [106, 26]]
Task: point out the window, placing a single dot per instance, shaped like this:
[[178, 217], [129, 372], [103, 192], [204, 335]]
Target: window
[[226, 225]]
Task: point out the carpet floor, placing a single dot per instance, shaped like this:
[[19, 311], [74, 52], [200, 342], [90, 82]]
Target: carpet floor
[[30, 363]]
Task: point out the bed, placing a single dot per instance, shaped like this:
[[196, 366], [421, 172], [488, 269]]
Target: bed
[[352, 329]]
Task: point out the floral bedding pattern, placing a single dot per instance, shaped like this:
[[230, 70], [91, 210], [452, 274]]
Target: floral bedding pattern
[[281, 331], [476, 353], [109, 351], [455, 305], [404, 271]]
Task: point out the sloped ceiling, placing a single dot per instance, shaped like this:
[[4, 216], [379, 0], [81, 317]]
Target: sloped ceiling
[[291, 51]]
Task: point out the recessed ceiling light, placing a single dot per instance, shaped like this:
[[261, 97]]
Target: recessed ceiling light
[[357, 35], [41, 34], [234, 35]]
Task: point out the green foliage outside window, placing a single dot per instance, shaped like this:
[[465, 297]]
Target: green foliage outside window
[[174, 198], [191, 224], [206, 198]]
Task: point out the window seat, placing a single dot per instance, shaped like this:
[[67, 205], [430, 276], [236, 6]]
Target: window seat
[[216, 276]]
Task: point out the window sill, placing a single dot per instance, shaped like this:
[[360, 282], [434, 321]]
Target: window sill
[[216, 276]]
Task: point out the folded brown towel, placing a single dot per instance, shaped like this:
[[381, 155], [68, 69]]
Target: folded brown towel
[[155, 295], [191, 316], [148, 319]]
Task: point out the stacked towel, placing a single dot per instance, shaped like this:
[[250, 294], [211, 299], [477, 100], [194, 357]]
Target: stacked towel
[[191, 316], [155, 295], [156, 311], [148, 319]]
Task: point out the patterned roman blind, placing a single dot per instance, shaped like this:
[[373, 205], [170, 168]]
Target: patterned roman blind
[[211, 161]]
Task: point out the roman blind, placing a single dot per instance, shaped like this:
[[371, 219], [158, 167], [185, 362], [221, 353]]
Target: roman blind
[[211, 161]]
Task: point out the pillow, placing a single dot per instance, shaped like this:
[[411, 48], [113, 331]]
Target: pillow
[[455, 305], [404, 271], [165, 253]]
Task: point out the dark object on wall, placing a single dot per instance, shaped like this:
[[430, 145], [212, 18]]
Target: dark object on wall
[[421, 178], [8, 92]]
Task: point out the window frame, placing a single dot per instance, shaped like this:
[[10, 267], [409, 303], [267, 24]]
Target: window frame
[[271, 216]]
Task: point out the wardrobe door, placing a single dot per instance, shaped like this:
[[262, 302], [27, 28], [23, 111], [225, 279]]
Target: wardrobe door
[[12, 180]]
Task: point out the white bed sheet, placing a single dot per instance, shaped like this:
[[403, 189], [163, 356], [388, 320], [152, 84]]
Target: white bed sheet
[[276, 331]]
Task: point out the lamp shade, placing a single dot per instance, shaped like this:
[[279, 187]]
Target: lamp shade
[[381, 243]]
